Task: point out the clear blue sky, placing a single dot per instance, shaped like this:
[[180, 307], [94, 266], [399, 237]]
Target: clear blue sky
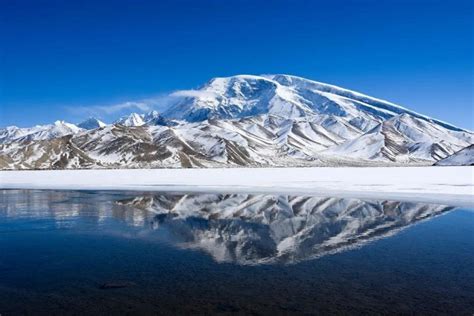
[[57, 55]]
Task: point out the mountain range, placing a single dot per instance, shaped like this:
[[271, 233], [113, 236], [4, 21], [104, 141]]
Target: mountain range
[[245, 120]]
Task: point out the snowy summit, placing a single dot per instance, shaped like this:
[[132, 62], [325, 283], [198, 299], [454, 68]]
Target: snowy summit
[[244, 120]]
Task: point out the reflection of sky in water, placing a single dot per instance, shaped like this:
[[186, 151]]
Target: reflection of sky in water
[[238, 228]]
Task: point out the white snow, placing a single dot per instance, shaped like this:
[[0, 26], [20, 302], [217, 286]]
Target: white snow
[[464, 157], [272, 120], [134, 119], [444, 185], [38, 132], [91, 123]]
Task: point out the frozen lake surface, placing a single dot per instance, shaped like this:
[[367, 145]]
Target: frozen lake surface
[[448, 185]]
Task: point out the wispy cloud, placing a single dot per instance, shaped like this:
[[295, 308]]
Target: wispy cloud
[[193, 94], [159, 103], [110, 109]]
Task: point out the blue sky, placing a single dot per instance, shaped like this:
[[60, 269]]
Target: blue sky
[[58, 57]]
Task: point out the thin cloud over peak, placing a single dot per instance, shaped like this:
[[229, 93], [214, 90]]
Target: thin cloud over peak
[[158, 103]]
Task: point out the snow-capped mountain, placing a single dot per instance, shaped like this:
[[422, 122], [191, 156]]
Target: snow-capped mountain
[[154, 118], [404, 138], [464, 157], [39, 132], [271, 120], [91, 123], [256, 229], [151, 118], [285, 96], [134, 119]]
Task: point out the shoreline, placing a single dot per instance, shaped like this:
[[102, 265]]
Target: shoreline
[[441, 185]]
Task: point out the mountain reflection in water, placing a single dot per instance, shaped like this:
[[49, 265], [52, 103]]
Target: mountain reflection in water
[[237, 228], [254, 229]]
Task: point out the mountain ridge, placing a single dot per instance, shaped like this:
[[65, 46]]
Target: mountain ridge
[[245, 120]]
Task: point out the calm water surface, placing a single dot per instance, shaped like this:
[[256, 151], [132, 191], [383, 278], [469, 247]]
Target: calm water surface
[[91, 252]]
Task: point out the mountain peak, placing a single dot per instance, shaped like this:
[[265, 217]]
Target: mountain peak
[[269, 120], [154, 118], [282, 95], [133, 119], [62, 125], [152, 114], [91, 123]]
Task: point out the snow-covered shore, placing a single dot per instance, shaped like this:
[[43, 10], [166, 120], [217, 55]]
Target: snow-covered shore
[[444, 185]]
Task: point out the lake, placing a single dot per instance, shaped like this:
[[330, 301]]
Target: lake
[[95, 252]]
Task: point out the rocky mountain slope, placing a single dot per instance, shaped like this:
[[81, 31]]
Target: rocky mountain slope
[[464, 157], [271, 120]]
